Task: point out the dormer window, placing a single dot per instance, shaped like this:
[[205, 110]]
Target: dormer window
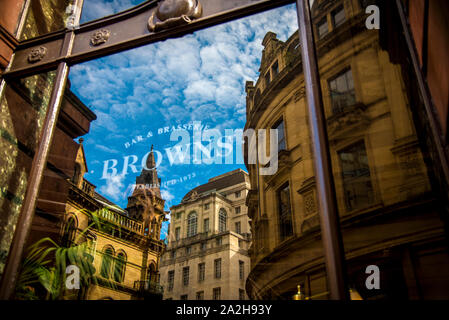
[[322, 28], [338, 16]]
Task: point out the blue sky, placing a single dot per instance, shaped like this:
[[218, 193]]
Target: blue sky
[[200, 77]]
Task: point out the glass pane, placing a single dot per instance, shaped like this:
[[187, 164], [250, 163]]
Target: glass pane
[[46, 16], [23, 109], [384, 174], [95, 9], [122, 177]]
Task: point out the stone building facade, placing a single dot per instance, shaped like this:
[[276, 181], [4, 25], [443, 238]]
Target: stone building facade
[[125, 246], [209, 236], [390, 214]]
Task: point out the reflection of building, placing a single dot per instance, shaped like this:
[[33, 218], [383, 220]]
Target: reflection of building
[[388, 212], [125, 246], [206, 256]]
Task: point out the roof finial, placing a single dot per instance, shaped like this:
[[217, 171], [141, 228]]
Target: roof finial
[[151, 147]]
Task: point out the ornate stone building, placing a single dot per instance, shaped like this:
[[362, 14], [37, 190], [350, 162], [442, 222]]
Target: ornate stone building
[[390, 212], [125, 245], [208, 241]]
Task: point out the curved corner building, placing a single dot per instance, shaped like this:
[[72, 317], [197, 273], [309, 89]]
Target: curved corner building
[[388, 200]]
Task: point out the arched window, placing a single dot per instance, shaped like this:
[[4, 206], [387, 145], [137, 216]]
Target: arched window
[[106, 263], [191, 224], [222, 218], [119, 268], [69, 232], [152, 273]]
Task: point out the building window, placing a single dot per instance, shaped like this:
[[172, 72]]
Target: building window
[[216, 293], [285, 214], [322, 28], [188, 250], [171, 280], [240, 243], [206, 206], [200, 295], [218, 241], [241, 270], [279, 127], [222, 219], [342, 91], [275, 69], [338, 16], [173, 254], [191, 224], [206, 225], [185, 276], [203, 246], [177, 233], [201, 271], [241, 294], [358, 190], [237, 210], [238, 227], [119, 268], [238, 194], [106, 263], [217, 268], [185, 297], [178, 215], [267, 79]]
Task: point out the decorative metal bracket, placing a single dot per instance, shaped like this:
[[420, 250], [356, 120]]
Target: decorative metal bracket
[[99, 37], [37, 54], [170, 13]]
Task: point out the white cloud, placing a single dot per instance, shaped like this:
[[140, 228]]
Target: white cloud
[[105, 149], [113, 187]]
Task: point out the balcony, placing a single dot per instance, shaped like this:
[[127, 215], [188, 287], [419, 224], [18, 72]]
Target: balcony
[[149, 289], [88, 187], [193, 239], [121, 221]]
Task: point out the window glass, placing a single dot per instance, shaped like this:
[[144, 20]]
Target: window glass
[[342, 91], [171, 279], [106, 263], [192, 224], [217, 268], [46, 16], [338, 16], [222, 220], [216, 294], [185, 276], [238, 227], [285, 214], [279, 127], [322, 28], [201, 271], [357, 186]]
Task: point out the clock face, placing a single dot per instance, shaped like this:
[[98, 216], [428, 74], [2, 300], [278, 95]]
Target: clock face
[[175, 8]]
